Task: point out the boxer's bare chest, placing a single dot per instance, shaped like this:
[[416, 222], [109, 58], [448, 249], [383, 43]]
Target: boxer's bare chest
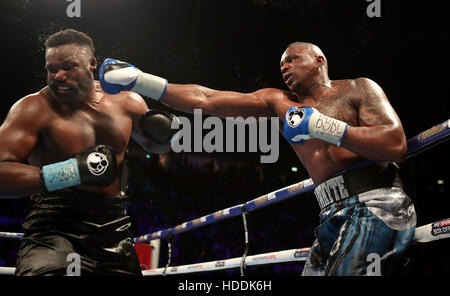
[[67, 133], [338, 103], [322, 159]]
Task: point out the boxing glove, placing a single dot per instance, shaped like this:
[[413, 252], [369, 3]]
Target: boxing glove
[[303, 123], [93, 166], [156, 126], [116, 76]]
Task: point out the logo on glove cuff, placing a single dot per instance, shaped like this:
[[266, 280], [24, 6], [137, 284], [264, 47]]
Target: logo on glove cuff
[[295, 116], [97, 163]]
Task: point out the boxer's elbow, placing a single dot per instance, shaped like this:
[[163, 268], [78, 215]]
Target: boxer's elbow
[[397, 153], [378, 143], [397, 146]]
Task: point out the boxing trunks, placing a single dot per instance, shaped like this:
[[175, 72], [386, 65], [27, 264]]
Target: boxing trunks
[[366, 223], [67, 223]]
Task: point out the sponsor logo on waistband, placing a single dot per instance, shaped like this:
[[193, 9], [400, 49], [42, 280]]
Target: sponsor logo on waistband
[[331, 191], [441, 227]]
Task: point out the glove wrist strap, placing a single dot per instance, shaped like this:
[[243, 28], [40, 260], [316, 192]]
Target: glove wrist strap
[[61, 175], [327, 129], [150, 86]]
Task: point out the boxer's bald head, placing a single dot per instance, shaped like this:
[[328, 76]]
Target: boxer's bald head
[[303, 65], [311, 49]]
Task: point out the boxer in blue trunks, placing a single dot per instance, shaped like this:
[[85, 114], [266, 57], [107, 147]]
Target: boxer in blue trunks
[[64, 146], [331, 125]]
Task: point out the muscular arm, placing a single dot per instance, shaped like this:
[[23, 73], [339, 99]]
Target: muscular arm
[[380, 135], [18, 136], [187, 97]]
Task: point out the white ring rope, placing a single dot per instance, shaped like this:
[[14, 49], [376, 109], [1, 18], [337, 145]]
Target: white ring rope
[[11, 235], [260, 259]]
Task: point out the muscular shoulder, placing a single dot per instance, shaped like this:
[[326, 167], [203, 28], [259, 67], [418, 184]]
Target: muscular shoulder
[[364, 81], [273, 95], [357, 89], [32, 109], [366, 84], [369, 90], [32, 103], [354, 84], [133, 103]]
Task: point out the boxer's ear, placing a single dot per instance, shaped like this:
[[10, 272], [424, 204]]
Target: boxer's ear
[[92, 64], [320, 61]]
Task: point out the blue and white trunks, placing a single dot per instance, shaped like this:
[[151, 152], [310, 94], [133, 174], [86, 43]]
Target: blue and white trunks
[[366, 223]]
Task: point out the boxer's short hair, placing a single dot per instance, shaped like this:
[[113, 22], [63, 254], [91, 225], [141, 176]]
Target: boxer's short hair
[[69, 36]]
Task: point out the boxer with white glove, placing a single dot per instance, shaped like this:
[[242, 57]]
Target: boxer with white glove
[[370, 130], [117, 76], [304, 123]]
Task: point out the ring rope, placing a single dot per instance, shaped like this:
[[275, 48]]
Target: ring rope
[[11, 235], [7, 270], [253, 260]]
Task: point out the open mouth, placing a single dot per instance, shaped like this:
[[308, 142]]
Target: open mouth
[[286, 78], [61, 89]]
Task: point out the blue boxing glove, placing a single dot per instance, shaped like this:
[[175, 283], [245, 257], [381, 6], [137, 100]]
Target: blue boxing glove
[[116, 76], [304, 123]]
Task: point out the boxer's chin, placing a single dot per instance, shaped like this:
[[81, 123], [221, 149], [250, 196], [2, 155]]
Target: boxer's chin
[[73, 98], [63, 92]]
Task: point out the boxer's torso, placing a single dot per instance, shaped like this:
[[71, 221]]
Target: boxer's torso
[[322, 160], [66, 131]]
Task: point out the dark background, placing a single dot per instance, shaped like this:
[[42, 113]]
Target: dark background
[[237, 45]]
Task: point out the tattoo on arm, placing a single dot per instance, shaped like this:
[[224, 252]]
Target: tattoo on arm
[[372, 109]]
